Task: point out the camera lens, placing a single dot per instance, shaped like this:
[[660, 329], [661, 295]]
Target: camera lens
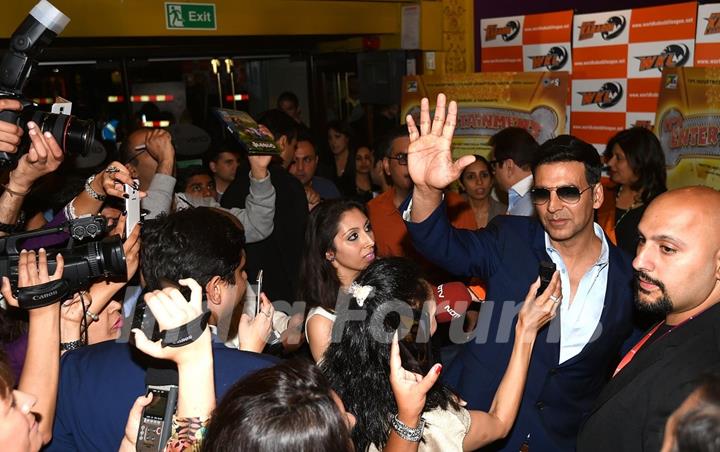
[[111, 255], [75, 136]]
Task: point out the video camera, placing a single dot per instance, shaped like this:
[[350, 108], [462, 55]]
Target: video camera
[[84, 263], [35, 33]]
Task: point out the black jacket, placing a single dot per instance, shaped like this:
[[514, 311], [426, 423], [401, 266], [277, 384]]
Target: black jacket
[[631, 411]]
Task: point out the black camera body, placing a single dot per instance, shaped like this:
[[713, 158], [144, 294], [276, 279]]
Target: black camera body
[[84, 263], [29, 40]]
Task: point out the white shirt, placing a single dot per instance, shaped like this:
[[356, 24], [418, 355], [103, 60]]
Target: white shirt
[[519, 202], [580, 316]]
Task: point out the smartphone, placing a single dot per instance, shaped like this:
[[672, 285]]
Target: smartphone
[[156, 421], [546, 271], [132, 207], [258, 301]]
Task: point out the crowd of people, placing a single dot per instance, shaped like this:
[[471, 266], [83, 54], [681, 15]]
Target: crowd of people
[[309, 301]]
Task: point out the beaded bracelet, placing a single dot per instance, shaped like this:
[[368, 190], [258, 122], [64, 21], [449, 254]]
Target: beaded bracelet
[[408, 434], [67, 346]]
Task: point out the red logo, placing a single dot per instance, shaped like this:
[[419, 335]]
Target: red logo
[[713, 25], [607, 96], [673, 55], [611, 29], [493, 31], [589, 29]]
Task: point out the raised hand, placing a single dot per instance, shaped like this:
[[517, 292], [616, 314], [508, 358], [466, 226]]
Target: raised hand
[[254, 332], [32, 272], [430, 160], [112, 178], [44, 157], [537, 311], [410, 389], [172, 310], [10, 134]]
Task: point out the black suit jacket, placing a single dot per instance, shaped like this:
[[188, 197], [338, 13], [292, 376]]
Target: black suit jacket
[[631, 411]]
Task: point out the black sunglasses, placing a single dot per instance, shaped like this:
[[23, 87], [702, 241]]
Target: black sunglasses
[[401, 158], [568, 194]]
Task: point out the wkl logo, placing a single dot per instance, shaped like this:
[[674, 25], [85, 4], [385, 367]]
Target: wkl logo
[[607, 96], [507, 33], [609, 30], [713, 24], [553, 61], [674, 55]]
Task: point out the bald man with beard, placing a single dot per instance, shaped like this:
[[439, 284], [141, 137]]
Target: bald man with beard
[[677, 276]]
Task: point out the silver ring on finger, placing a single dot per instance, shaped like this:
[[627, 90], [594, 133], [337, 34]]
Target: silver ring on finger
[[112, 169], [554, 299]]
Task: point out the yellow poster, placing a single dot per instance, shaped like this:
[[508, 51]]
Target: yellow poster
[[688, 125], [489, 102]]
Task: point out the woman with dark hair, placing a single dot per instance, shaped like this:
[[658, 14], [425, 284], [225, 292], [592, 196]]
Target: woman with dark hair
[[636, 165], [352, 163], [339, 243], [339, 136], [477, 181], [394, 296]]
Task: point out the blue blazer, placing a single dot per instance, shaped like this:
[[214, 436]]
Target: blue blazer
[[506, 255], [99, 384]]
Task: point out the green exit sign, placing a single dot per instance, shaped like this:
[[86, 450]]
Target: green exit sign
[[190, 16]]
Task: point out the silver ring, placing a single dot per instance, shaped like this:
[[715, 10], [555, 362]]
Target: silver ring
[[112, 169], [94, 317], [554, 299]]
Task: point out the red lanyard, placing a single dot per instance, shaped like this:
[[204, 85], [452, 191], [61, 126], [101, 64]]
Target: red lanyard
[[631, 354]]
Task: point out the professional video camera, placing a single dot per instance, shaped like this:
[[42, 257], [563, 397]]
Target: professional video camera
[[84, 263], [34, 34]]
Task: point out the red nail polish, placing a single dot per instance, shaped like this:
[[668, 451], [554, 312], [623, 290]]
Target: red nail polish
[[438, 369]]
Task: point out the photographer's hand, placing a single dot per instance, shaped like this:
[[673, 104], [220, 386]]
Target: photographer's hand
[[253, 332], [194, 360], [43, 157], [10, 134], [132, 426], [160, 147], [42, 361]]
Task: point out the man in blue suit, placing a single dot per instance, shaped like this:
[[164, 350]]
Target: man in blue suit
[[99, 383], [574, 356]]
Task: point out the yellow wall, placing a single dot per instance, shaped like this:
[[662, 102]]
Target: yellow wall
[[123, 18], [446, 26]]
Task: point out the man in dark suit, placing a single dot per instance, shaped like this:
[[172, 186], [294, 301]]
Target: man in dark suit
[[573, 357], [99, 383], [677, 276]]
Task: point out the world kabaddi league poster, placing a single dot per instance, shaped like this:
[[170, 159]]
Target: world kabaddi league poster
[[688, 125], [489, 102]]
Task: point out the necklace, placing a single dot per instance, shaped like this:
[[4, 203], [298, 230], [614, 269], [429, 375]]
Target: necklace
[[636, 203]]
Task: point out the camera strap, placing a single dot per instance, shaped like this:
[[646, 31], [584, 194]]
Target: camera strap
[[41, 295], [185, 334]]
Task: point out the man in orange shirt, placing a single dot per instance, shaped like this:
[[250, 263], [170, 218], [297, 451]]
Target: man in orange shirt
[[391, 235]]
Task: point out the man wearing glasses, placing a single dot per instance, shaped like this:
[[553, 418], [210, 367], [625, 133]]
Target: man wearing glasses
[[513, 150], [391, 236], [572, 357]]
